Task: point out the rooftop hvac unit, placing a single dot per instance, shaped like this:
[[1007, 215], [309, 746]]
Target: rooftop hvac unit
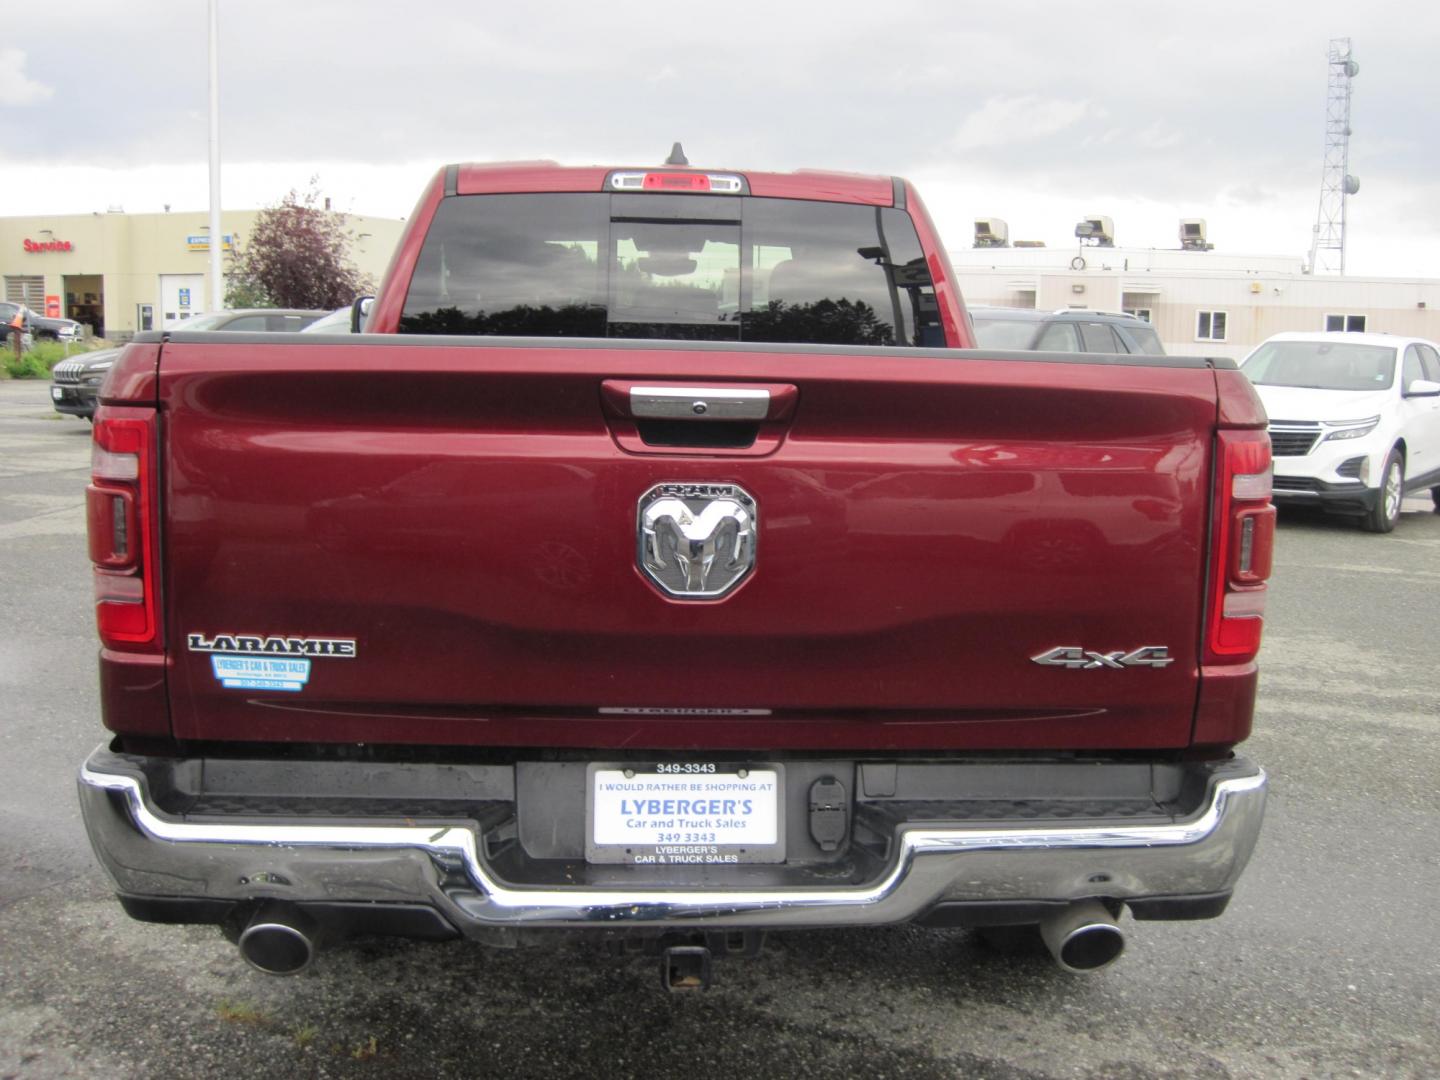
[[1192, 235], [1096, 230], [991, 233]]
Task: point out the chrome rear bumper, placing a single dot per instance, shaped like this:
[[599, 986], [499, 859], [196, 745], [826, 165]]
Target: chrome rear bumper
[[150, 853]]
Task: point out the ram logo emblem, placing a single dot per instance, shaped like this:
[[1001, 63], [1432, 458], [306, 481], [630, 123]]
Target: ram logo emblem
[[1078, 659], [696, 541]]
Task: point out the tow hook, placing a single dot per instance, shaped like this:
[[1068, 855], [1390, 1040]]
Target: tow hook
[[684, 968]]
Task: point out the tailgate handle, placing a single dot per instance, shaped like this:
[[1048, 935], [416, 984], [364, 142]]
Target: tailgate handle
[[698, 403], [647, 416]]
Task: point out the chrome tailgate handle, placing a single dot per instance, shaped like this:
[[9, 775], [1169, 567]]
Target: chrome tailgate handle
[[698, 403]]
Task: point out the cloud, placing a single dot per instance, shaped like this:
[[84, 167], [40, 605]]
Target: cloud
[[1159, 136], [15, 87], [1248, 195], [1003, 120], [1031, 110]]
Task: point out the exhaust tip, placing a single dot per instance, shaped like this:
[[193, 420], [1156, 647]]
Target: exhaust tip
[[277, 944], [1083, 938], [1091, 947]]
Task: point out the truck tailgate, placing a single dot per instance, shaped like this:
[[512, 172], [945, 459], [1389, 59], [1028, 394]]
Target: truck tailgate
[[466, 513]]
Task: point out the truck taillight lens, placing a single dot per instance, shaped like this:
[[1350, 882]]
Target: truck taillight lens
[[119, 505], [660, 180], [1242, 546]]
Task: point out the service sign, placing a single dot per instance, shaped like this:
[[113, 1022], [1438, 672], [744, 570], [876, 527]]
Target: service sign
[[685, 813]]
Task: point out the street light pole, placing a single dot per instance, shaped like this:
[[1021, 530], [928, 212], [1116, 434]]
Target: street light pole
[[217, 238]]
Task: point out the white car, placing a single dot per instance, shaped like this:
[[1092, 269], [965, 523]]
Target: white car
[[1354, 420], [337, 322]]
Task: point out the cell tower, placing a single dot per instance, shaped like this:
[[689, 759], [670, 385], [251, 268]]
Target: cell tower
[[1327, 249]]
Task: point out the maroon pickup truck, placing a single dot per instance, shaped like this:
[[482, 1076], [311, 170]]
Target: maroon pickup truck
[[665, 563]]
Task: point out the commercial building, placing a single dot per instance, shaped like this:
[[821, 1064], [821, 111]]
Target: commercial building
[[121, 273], [1201, 302]]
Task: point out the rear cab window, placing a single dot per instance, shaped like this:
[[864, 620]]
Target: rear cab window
[[678, 267]]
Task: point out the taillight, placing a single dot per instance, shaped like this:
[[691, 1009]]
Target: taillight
[[1243, 546], [119, 502]]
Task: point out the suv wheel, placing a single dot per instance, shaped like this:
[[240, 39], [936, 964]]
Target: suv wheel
[[1386, 513], [1435, 496]]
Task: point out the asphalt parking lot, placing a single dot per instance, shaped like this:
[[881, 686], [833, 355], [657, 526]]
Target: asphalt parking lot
[[1327, 964]]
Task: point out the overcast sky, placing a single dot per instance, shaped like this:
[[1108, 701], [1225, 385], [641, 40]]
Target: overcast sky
[[1036, 112]]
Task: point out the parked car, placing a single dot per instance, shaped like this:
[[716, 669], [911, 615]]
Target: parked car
[[1066, 330], [250, 320], [75, 383], [337, 322], [1354, 420], [41, 328], [8, 312], [48, 329]]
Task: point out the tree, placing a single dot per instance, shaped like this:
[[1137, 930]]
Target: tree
[[839, 322], [297, 256]]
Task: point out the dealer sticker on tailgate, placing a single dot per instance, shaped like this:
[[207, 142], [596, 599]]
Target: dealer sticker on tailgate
[[261, 672], [684, 813]]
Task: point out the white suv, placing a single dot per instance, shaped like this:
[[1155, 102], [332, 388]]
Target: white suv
[[1354, 420]]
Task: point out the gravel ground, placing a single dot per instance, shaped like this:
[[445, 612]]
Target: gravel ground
[[1326, 965]]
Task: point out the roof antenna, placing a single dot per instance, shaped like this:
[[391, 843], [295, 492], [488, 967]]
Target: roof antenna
[[677, 156]]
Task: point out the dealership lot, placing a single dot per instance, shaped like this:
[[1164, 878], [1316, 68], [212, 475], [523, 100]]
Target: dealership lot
[[1326, 964]]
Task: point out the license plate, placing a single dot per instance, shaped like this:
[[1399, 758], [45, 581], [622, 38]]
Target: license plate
[[56, 393], [689, 813]]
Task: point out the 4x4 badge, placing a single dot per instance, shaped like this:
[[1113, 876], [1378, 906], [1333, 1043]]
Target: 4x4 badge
[[1078, 659]]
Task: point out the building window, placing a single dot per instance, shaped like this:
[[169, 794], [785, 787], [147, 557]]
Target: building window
[[1354, 323], [1210, 326], [1139, 313], [26, 290]]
